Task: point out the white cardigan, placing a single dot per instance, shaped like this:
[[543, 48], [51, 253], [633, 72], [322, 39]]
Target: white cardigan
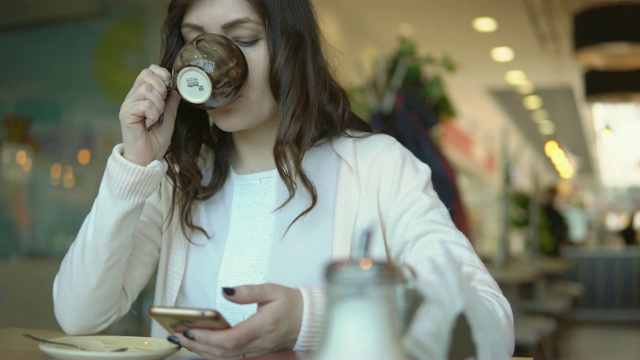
[[124, 240]]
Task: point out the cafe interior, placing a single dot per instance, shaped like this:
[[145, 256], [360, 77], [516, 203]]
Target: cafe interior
[[527, 107]]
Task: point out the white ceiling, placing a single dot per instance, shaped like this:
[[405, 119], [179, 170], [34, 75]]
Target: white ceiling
[[539, 31]]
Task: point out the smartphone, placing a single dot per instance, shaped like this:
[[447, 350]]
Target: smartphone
[[176, 319]]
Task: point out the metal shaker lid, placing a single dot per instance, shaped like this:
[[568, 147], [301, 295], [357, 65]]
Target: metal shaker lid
[[362, 271]]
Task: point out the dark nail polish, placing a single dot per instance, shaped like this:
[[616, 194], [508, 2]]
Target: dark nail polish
[[189, 336], [174, 339], [149, 128], [161, 119], [229, 291]]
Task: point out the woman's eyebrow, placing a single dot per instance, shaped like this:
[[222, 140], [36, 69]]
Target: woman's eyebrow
[[224, 27], [187, 26], [237, 22]]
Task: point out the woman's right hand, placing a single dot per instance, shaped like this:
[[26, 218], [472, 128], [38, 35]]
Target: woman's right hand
[[141, 110]]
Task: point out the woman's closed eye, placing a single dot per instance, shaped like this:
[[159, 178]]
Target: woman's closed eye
[[245, 42]]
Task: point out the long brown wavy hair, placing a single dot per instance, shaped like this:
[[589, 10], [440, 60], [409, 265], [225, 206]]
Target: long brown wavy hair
[[313, 106]]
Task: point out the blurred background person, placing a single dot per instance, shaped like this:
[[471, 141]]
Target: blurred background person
[[578, 218], [629, 233], [555, 222]]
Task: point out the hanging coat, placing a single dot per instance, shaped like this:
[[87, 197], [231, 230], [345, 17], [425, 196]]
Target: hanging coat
[[410, 123]]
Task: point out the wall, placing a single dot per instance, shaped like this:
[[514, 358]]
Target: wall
[[66, 87], [61, 90]]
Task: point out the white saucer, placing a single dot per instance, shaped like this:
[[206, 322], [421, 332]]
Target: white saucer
[[139, 348]]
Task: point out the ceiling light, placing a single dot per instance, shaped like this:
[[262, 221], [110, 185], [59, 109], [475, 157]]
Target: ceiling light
[[539, 116], [557, 156], [484, 24], [606, 37], [566, 174], [550, 146], [560, 162], [68, 179], [547, 128], [21, 157], [502, 54], [515, 77], [525, 88], [27, 165], [55, 174], [532, 102], [84, 156], [607, 134], [565, 166]]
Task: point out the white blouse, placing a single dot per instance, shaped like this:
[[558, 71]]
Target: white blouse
[[248, 244]]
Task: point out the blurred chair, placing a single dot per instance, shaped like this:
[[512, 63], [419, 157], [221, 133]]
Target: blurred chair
[[572, 289], [547, 308], [558, 306], [535, 335]]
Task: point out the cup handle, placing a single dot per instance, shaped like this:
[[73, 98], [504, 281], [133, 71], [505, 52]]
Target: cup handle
[[168, 84]]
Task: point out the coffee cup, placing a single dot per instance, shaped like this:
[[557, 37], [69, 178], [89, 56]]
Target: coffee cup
[[209, 72]]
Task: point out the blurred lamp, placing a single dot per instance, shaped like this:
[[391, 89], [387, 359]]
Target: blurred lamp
[[612, 86], [515, 77], [502, 54], [532, 102], [607, 37], [485, 24]]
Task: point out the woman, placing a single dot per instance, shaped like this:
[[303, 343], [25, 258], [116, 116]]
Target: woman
[[247, 203]]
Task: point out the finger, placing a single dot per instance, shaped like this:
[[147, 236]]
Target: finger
[[154, 76], [215, 343], [146, 110], [247, 337], [165, 76], [171, 106], [147, 92], [249, 294], [168, 116], [163, 73]]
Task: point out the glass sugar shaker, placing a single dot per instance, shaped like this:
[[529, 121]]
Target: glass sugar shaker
[[362, 321]]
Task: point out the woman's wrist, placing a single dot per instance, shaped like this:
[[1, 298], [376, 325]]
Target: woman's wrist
[[131, 181], [313, 310]]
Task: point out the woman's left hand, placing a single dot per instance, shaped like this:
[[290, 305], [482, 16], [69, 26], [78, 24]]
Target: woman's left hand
[[274, 327]]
